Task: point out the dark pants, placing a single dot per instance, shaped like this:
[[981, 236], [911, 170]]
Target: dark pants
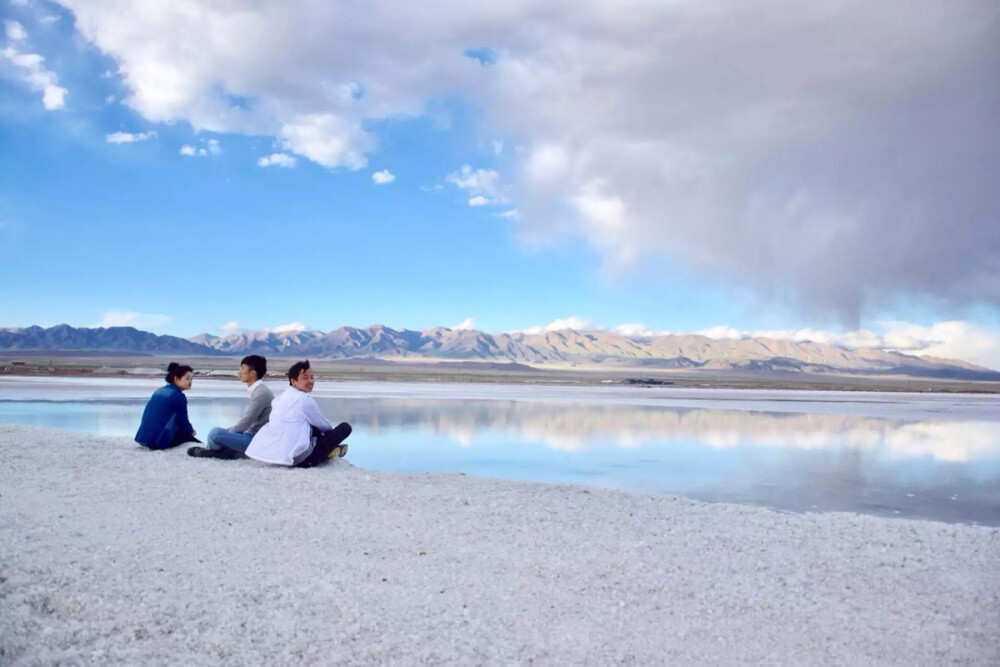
[[179, 439], [325, 442]]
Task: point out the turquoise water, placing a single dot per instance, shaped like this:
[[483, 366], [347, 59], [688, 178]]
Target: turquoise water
[[918, 457]]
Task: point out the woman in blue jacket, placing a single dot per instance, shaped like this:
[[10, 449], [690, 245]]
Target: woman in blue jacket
[[165, 420]]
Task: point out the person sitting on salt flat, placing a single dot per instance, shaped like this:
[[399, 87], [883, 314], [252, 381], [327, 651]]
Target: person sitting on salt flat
[[297, 434], [165, 421], [231, 443]]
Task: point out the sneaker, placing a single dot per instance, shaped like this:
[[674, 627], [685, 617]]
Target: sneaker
[[338, 452]]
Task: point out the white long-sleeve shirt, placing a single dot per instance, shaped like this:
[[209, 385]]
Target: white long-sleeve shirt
[[285, 438]]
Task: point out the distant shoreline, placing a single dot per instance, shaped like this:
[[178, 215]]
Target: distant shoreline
[[124, 365]]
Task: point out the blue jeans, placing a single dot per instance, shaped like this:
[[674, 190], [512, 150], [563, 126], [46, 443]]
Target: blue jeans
[[220, 438]]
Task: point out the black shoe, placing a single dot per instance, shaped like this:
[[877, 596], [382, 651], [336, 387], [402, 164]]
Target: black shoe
[[207, 453]]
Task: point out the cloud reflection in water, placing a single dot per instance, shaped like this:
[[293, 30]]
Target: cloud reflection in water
[[573, 427]]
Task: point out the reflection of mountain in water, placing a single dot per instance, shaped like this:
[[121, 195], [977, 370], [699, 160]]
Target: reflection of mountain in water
[[574, 427]]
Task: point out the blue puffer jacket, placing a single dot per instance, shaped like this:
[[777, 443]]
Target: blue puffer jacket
[[165, 415]]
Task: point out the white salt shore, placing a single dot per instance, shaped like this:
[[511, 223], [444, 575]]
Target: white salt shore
[[113, 555]]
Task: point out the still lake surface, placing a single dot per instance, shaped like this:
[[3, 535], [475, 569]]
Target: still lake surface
[[927, 456]]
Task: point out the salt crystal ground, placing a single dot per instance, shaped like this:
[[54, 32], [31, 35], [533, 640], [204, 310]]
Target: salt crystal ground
[[114, 555]]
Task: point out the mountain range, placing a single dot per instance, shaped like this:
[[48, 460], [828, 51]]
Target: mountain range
[[565, 348]]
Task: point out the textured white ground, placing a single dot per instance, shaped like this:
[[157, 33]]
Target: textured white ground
[[110, 554]]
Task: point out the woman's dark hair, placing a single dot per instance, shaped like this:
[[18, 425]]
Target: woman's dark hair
[[296, 370], [176, 371], [257, 363]]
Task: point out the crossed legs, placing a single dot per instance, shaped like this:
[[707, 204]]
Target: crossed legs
[[220, 438], [325, 442]]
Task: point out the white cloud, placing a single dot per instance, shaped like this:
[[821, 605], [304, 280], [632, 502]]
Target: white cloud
[[547, 166], [328, 139], [38, 78], [607, 224], [277, 159], [692, 170], [636, 331], [468, 324], [231, 327], [641, 130], [511, 214], [131, 318], [725, 332], [15, 31], [481, 183], [54, 97], [25, 60], [383, 177], [497, 147], [128, 137], [109, 99], [573, 322], [19, 3], [290, 328], [211, 148]]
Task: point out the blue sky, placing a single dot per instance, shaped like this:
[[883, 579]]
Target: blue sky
[[182, 170]]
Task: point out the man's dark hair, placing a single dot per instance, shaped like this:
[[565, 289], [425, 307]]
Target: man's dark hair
[[296, 370], [257, 363]]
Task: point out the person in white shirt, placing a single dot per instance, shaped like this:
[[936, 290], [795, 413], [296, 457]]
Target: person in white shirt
[[297, 434]]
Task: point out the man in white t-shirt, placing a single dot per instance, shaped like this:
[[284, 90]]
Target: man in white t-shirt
[[297, 434]]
